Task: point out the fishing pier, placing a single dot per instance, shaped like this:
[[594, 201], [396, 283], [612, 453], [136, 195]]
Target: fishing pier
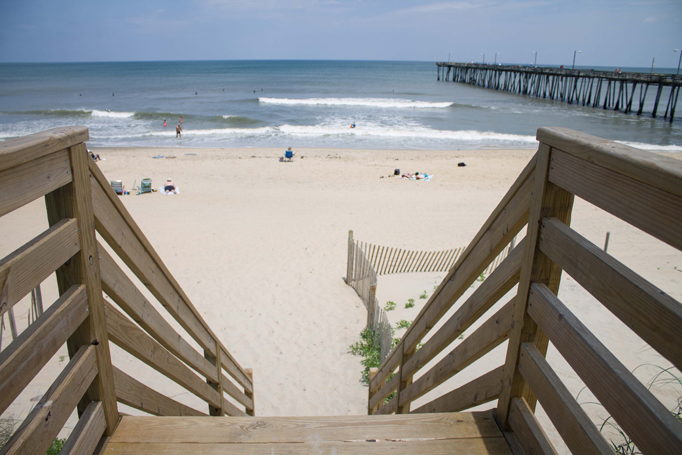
[[612, 90]]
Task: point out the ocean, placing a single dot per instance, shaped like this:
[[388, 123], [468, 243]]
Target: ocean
[[393, 105]]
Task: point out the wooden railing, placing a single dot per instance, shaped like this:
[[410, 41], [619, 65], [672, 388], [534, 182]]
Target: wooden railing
[[80, 204], [644, 190]]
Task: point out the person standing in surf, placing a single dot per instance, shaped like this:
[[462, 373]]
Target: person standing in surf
[[178, 131]]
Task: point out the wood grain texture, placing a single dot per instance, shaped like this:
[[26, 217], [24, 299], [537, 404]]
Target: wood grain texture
[[575, 427], [481, 390], [489, 446], [548, 200], [485, 338], [33, 348], [16, 151], [132, 392], [86, 271], [647, 310], [132, 339], [304, 429], [528, 431], [650, 425], [650, 168], [122, 290], [28, 266], [482, 299], [644, 205], [47, 418], [31, 180], [118, 233], [87, 433]]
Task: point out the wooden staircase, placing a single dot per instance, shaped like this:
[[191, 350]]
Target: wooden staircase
[[95, 249], [474, 433]]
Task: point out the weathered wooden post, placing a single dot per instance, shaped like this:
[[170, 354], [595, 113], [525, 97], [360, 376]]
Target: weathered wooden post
[[75, 201], [349, 265]]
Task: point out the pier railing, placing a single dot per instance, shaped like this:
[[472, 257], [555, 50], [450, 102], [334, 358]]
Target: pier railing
[[90, 242], [518, 304]]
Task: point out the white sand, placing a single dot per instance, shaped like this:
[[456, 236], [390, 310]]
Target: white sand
[[260, 248]]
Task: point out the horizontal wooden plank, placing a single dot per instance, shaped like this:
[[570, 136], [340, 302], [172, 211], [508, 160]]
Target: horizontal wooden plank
[[31, 350], [651, 313], [16, 151], [487, 446], [574, 426], [122, 238], [232, 390], [481, 390], [122, 290], [48, 416], [304, 429], [650, 425], [132, 339], [654, 169], [133, 393], [88, 432], [28, 266], [485, 338], [507, 219], [654, 210], [29, 181], [235, 370], [527, 430], [483, 298]]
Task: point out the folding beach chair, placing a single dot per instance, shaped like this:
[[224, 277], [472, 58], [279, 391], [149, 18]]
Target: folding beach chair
[[145, 186], [288, 155], [117, 186]]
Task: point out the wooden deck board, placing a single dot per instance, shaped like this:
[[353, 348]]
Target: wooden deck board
[[466, 433]]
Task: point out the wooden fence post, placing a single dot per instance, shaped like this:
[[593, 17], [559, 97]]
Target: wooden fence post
[[75, 201], [252, 411], [372, 304], [215, 360], [372, 372], [547, 200], [349, 265]]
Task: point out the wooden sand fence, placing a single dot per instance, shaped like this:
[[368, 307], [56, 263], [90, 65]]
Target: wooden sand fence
[[367, 261]]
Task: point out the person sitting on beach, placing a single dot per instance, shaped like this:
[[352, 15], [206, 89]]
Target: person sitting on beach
[[169, 187], [178, 130], [289, 154]]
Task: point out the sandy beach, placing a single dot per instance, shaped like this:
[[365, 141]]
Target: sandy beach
[[260, 247]]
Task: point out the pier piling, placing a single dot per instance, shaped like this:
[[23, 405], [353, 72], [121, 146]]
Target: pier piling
[[610, 90]]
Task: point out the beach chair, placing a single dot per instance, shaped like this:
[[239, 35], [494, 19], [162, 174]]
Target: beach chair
[[288, 155], [117, 186], [145, 186]]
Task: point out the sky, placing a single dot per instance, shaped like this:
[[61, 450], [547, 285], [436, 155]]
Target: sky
[[607, 32]]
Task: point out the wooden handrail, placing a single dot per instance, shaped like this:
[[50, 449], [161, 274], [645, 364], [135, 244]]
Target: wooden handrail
[[55, 164], [642, 189]]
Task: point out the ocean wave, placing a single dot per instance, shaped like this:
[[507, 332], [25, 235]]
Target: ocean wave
[[111, 114], [368, 131], [355, 102], [653, 147], [410, 132], [56, 112]]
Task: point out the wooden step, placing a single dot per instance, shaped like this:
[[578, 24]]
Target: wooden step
[[444, 433]]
